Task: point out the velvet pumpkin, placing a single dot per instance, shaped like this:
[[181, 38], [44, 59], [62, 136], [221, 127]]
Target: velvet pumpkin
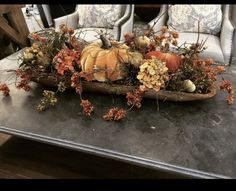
[[105, 60], [173, 61]]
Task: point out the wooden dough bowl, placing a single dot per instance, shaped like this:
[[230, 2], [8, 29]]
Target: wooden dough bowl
[[117, 89]]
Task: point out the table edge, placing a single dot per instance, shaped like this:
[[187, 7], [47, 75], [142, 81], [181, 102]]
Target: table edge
[[155, 165]]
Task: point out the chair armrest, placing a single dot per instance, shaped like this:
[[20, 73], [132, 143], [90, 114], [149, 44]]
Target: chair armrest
[[161, 17], [125, 16], [233, 22], [126, 27], [125, 23], [226, 36], [70, 21]]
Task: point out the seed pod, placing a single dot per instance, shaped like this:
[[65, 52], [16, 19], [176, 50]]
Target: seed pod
[[35, 51], [35, 46], [40, 54]]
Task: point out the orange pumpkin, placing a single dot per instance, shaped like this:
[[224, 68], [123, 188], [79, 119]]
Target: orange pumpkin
[[105, 62], [173, 61]]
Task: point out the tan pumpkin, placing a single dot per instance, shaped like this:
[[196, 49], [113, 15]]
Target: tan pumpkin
[[105, 60]]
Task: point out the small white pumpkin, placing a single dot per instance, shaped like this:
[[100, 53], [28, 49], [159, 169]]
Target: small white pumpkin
[[142, 42], [189, 86]]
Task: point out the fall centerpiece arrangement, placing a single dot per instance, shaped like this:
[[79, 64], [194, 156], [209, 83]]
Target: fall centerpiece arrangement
[[152, 65]]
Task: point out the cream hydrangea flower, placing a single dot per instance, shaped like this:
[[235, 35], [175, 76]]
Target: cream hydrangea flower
[[153, 74]]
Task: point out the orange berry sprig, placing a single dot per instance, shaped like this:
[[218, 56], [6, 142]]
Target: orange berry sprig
[[135, 98], [115, 114], [226, 85], [87, 107]]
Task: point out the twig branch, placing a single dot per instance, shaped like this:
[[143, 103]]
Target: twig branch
[[198, 31]]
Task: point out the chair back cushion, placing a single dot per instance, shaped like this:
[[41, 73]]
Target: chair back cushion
[[99, 16], [184, 18]]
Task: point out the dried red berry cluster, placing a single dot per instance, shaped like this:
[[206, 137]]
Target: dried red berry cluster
[[36, 37], [227, 86], [4, 89], [65, 59], [73, 40], [206, 65], [87, 107], [167, 38], [115, 114], [24, 84], [25, 80], [75, 83], [134, 98], [75, 43], [65, 29]]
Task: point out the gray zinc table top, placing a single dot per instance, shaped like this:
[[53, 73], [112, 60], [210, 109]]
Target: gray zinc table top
[[197, 139]]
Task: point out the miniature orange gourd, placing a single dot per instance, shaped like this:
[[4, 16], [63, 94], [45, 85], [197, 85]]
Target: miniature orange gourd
[[173, 61]]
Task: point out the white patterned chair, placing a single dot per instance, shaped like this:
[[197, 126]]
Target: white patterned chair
[[215, 23], [88, 19]]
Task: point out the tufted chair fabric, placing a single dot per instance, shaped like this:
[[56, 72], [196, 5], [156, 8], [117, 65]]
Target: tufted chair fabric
[[89, 20]]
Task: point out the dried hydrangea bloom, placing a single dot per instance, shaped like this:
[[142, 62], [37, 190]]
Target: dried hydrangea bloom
[[153, 74]]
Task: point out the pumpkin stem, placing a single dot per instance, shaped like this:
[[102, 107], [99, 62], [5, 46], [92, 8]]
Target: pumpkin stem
[[106, 44]]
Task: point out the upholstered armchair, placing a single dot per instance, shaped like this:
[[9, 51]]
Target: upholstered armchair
[[89, 20], [216, 26]]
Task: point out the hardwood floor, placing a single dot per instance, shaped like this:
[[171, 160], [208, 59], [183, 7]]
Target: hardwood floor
[[25, 159]]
